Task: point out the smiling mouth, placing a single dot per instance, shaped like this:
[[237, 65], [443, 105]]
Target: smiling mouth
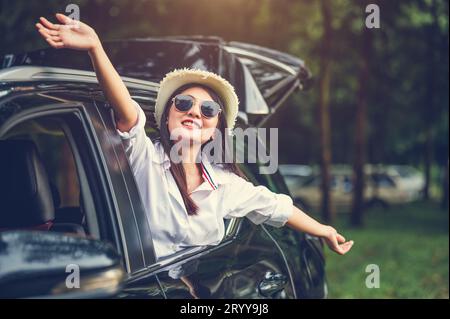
[[190, 124]]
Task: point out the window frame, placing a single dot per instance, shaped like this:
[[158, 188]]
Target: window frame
[[94, 170]]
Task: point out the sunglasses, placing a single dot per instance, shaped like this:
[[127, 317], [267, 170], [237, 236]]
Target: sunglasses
[[184, 103]]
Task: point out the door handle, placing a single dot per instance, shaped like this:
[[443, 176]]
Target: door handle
[[272, 284]]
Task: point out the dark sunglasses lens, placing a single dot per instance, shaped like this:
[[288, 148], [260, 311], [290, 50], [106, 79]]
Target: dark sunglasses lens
[[183, 102], [210, 108]]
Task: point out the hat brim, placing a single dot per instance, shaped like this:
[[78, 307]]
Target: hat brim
[[179, 77]]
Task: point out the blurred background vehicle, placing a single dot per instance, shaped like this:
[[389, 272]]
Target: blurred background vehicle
[[384, 185], [296, 175], [409, 177]]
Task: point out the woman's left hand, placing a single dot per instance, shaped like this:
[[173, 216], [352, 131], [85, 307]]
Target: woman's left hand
[[336, 241]]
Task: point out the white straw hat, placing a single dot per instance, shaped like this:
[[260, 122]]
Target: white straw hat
[[179, 77]]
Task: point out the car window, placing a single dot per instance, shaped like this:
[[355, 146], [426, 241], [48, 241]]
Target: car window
[[405, 171], [52, 143], [382, 180], [57, 157]]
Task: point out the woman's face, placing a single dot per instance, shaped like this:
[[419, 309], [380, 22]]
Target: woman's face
[[191, 125]]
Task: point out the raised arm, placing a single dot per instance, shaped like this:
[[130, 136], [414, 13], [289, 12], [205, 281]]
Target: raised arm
[[79, 36]]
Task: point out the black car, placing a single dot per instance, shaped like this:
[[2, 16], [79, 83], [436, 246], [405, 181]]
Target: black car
[[72, 223]]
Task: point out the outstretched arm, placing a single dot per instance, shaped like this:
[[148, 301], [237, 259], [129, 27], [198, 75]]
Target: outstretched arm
[[79, 36], [259, 204], [302, 222]]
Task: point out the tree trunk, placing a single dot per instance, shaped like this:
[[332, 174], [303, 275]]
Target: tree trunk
[[430, 104], [360, 131], [323, 113]]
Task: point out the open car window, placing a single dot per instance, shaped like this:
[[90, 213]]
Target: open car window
[[49, 135]]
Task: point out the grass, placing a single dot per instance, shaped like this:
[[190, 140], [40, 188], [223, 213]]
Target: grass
[[410, 245]]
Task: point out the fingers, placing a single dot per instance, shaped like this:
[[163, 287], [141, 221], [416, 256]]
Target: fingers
[[340, 238], [46, 31], [54, 40], [55, 44], [49, 34], [64, 19], [334, 244], [52, 36], [344, 248], [48, 24]]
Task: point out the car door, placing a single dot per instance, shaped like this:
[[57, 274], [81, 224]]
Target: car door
[[303, 253], [78, 154], [305, 256], [134, 230], [246, 264]]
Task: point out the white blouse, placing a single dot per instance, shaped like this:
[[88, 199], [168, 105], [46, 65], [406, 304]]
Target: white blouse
[[223, 194]]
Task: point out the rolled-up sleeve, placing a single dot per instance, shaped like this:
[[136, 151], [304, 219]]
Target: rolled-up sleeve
[[138, 146], [257, 203]]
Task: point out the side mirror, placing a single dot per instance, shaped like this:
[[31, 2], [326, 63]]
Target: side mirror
[[56, 265]]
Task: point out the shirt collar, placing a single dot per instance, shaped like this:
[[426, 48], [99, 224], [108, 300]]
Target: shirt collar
[[209, 173], [208, 169]]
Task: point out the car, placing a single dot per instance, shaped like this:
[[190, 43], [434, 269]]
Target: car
[[295, 175], [406, 177], [383, 187], [72, 224]]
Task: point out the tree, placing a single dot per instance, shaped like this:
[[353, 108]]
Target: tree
[[323, 111], [361, 128], [429, 107]]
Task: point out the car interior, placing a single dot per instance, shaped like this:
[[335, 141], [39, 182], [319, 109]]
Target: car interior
[[30, 199]]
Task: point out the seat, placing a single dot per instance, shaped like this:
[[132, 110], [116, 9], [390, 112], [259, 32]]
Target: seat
[[25, 197], [66, 214], [67, 218]]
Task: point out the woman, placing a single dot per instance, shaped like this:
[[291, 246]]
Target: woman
[[185, 200]]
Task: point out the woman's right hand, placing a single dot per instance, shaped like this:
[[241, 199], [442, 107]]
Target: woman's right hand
[[71, 34]]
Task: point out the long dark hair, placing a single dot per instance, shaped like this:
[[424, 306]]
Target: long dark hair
[[177, 169]]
